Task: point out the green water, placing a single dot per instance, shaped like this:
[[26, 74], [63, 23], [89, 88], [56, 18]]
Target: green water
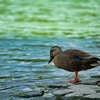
[[49, 18]]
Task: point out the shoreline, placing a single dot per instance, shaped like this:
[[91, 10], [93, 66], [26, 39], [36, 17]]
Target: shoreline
[[51, 89]]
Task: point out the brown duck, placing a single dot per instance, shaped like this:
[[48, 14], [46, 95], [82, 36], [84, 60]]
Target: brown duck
[[73, 60]]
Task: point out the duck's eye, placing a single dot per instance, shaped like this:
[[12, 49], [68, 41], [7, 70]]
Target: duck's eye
[[52, 50]]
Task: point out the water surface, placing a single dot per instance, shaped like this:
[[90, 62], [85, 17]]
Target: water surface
[[49, 18], [29, 28], [28, 59]]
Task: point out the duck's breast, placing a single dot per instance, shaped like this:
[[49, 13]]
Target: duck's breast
[[64, 62]]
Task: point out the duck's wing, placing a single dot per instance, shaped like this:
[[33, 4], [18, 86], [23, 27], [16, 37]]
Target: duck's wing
[[84, 57], [80, 55]]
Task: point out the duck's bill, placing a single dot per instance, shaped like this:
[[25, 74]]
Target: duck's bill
[[51, 58]]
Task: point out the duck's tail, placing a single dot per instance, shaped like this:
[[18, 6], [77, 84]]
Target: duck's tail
[[97, 63]]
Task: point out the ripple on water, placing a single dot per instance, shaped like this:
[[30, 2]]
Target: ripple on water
[[30, 58], [49, 19]]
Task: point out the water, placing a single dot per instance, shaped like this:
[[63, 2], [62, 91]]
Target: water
[[28, 59], [49, 18], [29, 28], [24, 60]]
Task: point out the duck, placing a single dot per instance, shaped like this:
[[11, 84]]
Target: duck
[[72, 60]]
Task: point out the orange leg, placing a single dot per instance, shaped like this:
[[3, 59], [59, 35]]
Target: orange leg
[[75, 79]]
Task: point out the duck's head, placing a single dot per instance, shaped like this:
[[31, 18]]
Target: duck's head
[[54, 51]]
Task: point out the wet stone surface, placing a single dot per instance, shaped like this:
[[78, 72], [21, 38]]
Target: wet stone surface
[[50, 89], [95, 76]]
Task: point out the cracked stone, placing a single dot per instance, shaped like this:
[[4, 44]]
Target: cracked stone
[[93, 96], [28, 94], [81, 90]]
